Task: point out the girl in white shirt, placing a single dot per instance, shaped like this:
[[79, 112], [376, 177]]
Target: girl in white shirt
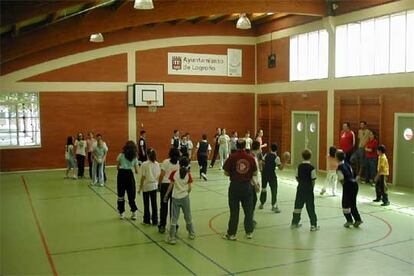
[[149, 184], [167, 167], [70, 157], [181, 181]]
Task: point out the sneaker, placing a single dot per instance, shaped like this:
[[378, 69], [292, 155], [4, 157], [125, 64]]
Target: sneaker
[[74, 177], [261, 206], [210, 166], [204, 176], [102, 184], [295, 226], [358, 223], [323, 191], [249, 236], [191, 236], [161, 229], [372, 184], [276, 209], [122, 215], [376, 200], [172, 241], [314, 228], [134, 215], [348, 223], [385, 203], [145, 223], [229, 237]]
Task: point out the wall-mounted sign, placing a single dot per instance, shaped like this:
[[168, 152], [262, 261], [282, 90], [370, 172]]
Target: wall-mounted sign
[[205, 64]]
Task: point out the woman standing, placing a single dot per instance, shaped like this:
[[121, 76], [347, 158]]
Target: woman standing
[[80, 145], [91, 143]]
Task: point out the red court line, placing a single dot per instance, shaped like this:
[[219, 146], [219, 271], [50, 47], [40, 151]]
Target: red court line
[[39, 229]]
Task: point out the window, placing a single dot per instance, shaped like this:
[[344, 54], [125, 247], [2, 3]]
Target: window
[[376, 46], [19, 120], [309, 56]]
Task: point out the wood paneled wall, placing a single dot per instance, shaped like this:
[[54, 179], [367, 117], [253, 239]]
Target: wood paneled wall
[[280, 73], [275, 118], [377, 108]]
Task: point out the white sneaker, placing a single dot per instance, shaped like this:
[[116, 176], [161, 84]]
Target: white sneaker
[[204, 176], [191, 236], [348, 224], [314, 228], [102, 184], [74, 177], [276, 209], [172, 241], [134, 215], [249, 236], [323, 191], [294, 226], [122, 215]]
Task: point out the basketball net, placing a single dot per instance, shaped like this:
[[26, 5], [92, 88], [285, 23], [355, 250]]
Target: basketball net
[[152, 106]]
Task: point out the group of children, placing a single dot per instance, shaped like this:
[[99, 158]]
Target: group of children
[[76, 151]]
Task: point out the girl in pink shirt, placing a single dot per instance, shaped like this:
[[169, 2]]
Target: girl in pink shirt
[[331, 177]]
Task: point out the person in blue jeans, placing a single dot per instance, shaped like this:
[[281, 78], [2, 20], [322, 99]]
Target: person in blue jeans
[[180, 184]]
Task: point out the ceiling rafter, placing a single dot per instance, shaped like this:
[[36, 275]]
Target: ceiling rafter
[[105, 20], [270, 18]]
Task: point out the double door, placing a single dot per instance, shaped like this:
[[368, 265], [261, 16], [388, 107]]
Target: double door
[[305, 135]]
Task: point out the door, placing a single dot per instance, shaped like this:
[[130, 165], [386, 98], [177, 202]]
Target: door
[[404, 152], [305, 134]]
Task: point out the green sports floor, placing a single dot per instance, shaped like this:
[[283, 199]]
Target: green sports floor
[[51, 225]]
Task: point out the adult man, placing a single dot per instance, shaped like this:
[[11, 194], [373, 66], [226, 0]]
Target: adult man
[[216, 147], [358, 158], [241, 168], [347, 141]]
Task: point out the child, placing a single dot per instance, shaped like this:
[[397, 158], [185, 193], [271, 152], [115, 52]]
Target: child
[[149, 184], [224, 141], [189, 146], [306, 176], [126, 161], [184, 146], [142, 147], [371, 158], [180, 184], [233, 142], [271, 160], [167, 167], [80, 145], [349, 191], [258, 156], [248, 140], [99, 156], [331, 177], [175, 140], [381, 187], [90, 143], [203, 152], [216, 147], [70, 158]]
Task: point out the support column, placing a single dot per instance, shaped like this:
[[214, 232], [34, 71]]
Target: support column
[[132, 112]]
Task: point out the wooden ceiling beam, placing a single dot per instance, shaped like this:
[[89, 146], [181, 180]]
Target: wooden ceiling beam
[[222, 19], [13, 12], [200, 19], [105, 20], [270, 18]]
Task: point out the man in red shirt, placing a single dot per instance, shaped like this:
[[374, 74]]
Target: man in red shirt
[[347, 141], [241, 168]]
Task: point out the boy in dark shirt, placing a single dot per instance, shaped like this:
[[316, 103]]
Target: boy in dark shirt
[[306, 176], [271, 160]]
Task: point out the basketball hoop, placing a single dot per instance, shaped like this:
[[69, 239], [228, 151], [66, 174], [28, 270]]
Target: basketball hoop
[[152, 106]]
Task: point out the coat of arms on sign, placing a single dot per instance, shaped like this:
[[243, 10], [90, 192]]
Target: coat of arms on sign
[[176, 63]]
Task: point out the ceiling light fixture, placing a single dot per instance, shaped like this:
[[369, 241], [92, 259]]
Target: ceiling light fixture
[[243, 22], [98, 37], [143, 5]]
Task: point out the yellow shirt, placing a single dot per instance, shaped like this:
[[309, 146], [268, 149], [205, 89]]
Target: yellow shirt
[[383, 168]]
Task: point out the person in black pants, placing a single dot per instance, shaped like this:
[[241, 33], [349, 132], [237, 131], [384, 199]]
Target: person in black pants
[[271, 160], [203, 151], [216, 147], [349, 191], [240, 167], [127, 160], [167, 167], [306, 176], [142, 147]]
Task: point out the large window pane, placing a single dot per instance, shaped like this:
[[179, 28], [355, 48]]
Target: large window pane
[[367, 46], [397, 42], [341, 52], [303, 57], [354, 42], [382, 45], [293, 64], [313, 52], [410, 42], [323, 54]]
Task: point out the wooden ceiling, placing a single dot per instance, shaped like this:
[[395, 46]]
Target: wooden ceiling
[[31, 26]]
